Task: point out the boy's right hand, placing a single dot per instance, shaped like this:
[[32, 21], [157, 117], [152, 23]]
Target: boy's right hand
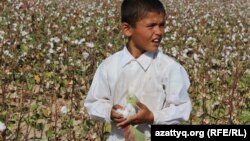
[[116, 117]]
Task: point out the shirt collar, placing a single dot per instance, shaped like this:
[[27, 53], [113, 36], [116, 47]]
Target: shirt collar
[[144, 60]]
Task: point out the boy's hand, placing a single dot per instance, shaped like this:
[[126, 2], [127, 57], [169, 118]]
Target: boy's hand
[[143, 116], [116, 117]]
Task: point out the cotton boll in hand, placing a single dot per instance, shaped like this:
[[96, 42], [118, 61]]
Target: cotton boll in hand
[[129, 110], [130, 107]]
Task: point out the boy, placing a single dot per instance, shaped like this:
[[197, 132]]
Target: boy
[[159, 83]]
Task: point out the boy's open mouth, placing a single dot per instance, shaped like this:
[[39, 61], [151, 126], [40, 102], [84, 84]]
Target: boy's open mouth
[[156, 40]]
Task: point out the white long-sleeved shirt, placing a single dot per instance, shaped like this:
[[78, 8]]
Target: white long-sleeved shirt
[[157, 80]]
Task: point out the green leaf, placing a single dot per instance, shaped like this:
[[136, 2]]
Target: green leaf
[[48, 75], [63, 132], [139, 136], [39, 126], [34, 107], [83, 133], [88, 124], [50, 134], [245, 117], [24, 48], [132, 99], [107, 128], [11, 126]]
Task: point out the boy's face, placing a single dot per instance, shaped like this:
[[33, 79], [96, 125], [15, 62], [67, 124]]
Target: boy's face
[[147, 34]]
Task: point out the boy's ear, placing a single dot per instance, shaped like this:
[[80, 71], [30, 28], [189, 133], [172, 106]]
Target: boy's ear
[[126, 29]]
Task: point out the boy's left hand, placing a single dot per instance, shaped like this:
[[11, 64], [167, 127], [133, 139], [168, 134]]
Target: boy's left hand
[[143, 116]]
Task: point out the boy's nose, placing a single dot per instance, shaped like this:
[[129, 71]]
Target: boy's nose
[[159, 30]]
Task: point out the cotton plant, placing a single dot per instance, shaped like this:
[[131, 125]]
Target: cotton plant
[[129, 110]]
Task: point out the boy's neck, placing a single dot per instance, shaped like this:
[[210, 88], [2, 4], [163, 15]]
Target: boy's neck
[[134, 51]]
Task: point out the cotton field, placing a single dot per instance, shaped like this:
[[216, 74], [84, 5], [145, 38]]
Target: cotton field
[[50, 49]]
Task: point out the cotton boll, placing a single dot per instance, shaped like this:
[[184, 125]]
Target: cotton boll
[[124, 112], [2, 127], [130, 107], [131, 110], [128, 111], [64, 110], [120, 111]]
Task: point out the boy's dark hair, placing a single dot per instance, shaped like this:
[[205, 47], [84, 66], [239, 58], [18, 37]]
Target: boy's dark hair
[[134, 10]]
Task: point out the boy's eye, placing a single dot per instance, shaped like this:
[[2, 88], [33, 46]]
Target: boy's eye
[[151, 25], [162, 24], [154, 24]]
